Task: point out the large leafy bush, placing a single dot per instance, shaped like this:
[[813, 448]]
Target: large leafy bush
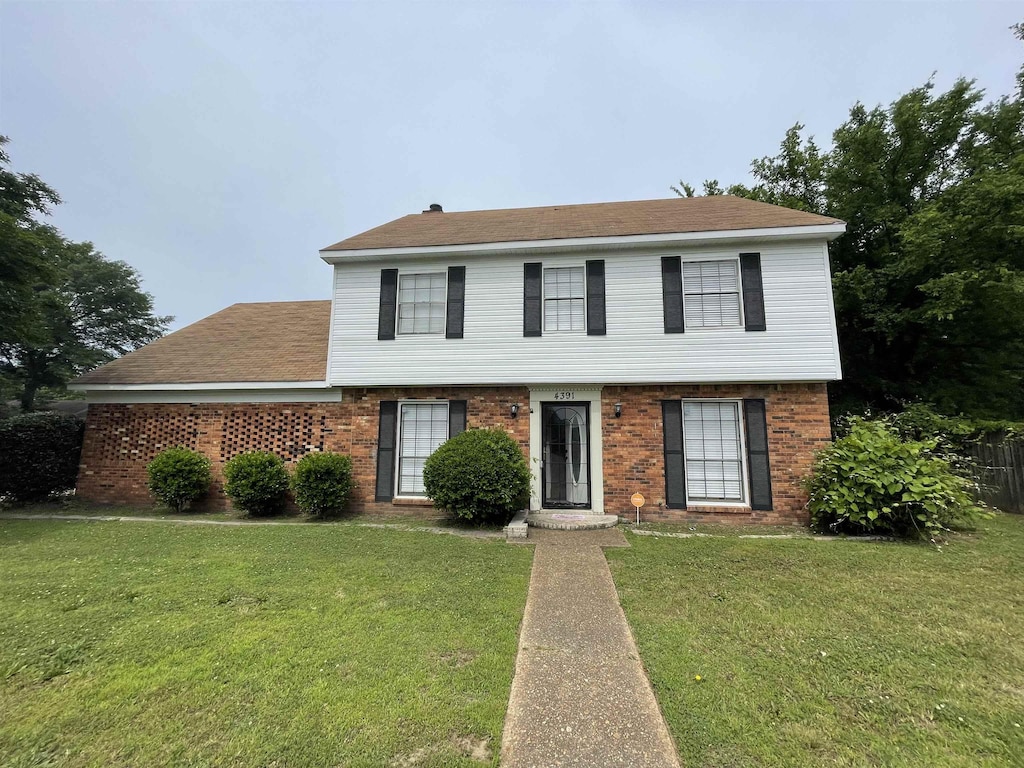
[[479, 475], [322, 483], [178, 476], [256, 482], [872, 481], [39, 455]]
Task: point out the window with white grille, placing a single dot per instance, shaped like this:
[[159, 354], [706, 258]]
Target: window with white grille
[[564, 302], [422, 428], [714, 451], [711, 293], [421, 303]]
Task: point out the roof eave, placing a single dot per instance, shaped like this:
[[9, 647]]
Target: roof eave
[[208, 385], [624, 242]]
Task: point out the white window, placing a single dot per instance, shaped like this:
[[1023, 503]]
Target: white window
[[564, 294], [421, 303], [711, 293], [422, 427], [714, 451]]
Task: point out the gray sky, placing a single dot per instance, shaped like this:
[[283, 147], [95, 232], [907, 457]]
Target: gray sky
[[216, 147]]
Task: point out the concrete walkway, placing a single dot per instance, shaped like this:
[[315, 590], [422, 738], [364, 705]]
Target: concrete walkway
[[580, 696]]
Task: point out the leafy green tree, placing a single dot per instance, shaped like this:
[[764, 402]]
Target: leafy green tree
[[929, 278], [23, 242], [64, 308]]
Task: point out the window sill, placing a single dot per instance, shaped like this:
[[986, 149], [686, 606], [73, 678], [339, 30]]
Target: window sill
[[411, 501], [719, 509]]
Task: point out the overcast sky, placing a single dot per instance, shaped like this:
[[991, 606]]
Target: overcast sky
[[216, 147]]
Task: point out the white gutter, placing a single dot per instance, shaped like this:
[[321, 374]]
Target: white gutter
[[817, 231], [167, 387]]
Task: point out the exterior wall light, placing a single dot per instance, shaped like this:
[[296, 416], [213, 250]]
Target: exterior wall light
[[618, 410], [513, 410]]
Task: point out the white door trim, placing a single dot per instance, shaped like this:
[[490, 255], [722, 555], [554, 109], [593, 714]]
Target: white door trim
[[548, 393]]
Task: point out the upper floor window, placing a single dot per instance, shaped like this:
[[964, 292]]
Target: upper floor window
[[711, 293], [564, 302], [421, 303]]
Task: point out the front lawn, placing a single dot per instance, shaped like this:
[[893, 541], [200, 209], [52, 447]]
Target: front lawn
[[833, 653], [161, 644]]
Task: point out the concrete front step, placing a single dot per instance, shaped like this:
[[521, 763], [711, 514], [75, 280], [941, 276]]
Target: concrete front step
[[570, 521]]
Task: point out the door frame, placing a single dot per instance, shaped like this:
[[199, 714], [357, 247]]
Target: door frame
[[549, 405], [587, 393]]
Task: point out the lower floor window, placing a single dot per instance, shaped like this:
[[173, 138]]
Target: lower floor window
[[713, 450], [422, 428]]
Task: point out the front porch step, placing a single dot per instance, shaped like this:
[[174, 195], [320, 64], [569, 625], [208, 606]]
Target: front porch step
[[570, 521]]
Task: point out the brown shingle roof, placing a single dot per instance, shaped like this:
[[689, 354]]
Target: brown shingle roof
[[273, 341], [638, 217]]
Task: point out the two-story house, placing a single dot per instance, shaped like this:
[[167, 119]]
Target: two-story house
[[678, 348]]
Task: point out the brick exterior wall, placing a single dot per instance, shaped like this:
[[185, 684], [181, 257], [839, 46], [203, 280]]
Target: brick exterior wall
[[121, 439], [634, 459]]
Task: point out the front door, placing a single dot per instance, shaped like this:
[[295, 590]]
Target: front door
[[565, 455]]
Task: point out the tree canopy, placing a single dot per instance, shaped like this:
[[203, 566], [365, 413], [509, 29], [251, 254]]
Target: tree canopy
[[64, 307], [929, 278]]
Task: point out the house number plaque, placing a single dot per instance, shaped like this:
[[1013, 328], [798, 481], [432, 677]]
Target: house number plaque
[[565, 395]]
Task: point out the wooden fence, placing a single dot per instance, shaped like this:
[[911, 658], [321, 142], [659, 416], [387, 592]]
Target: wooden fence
[[1001, 472]]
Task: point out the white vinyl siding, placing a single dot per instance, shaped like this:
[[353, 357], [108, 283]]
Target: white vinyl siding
[[711, 293], [713, 447], [421, 303], [799, 344], [564, 299], [422, 428]]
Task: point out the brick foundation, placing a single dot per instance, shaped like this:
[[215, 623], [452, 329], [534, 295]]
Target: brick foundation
[[121, 439]]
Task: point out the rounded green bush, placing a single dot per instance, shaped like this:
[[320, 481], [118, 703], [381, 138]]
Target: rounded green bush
[[871, 481], [256, 482], [39, 455], [322, 483], [178, 476], [479, 475]]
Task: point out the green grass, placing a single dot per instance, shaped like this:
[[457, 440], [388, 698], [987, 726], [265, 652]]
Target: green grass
[[834, 653], [137, 644], [426, 518]]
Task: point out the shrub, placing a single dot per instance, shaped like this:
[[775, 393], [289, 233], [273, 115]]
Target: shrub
[[871, 481], [322, 482], [256, 482], [39, 455], [479, 475], [179, 476]]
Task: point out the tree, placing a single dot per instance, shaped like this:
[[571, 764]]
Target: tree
[[929, 278], [23, 263], [65, 308]]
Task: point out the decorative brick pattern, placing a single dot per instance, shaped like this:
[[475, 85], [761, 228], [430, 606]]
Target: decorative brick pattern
[[132, 439], [121, 439], [290, 433], [634, 459]]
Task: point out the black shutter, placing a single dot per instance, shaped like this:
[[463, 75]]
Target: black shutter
[[456, 302], [672, 293], [386, 433], [595, 298], [756, 423], [753, 291], [675, 461], [532, 276], [456, 417], [388, 304]]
